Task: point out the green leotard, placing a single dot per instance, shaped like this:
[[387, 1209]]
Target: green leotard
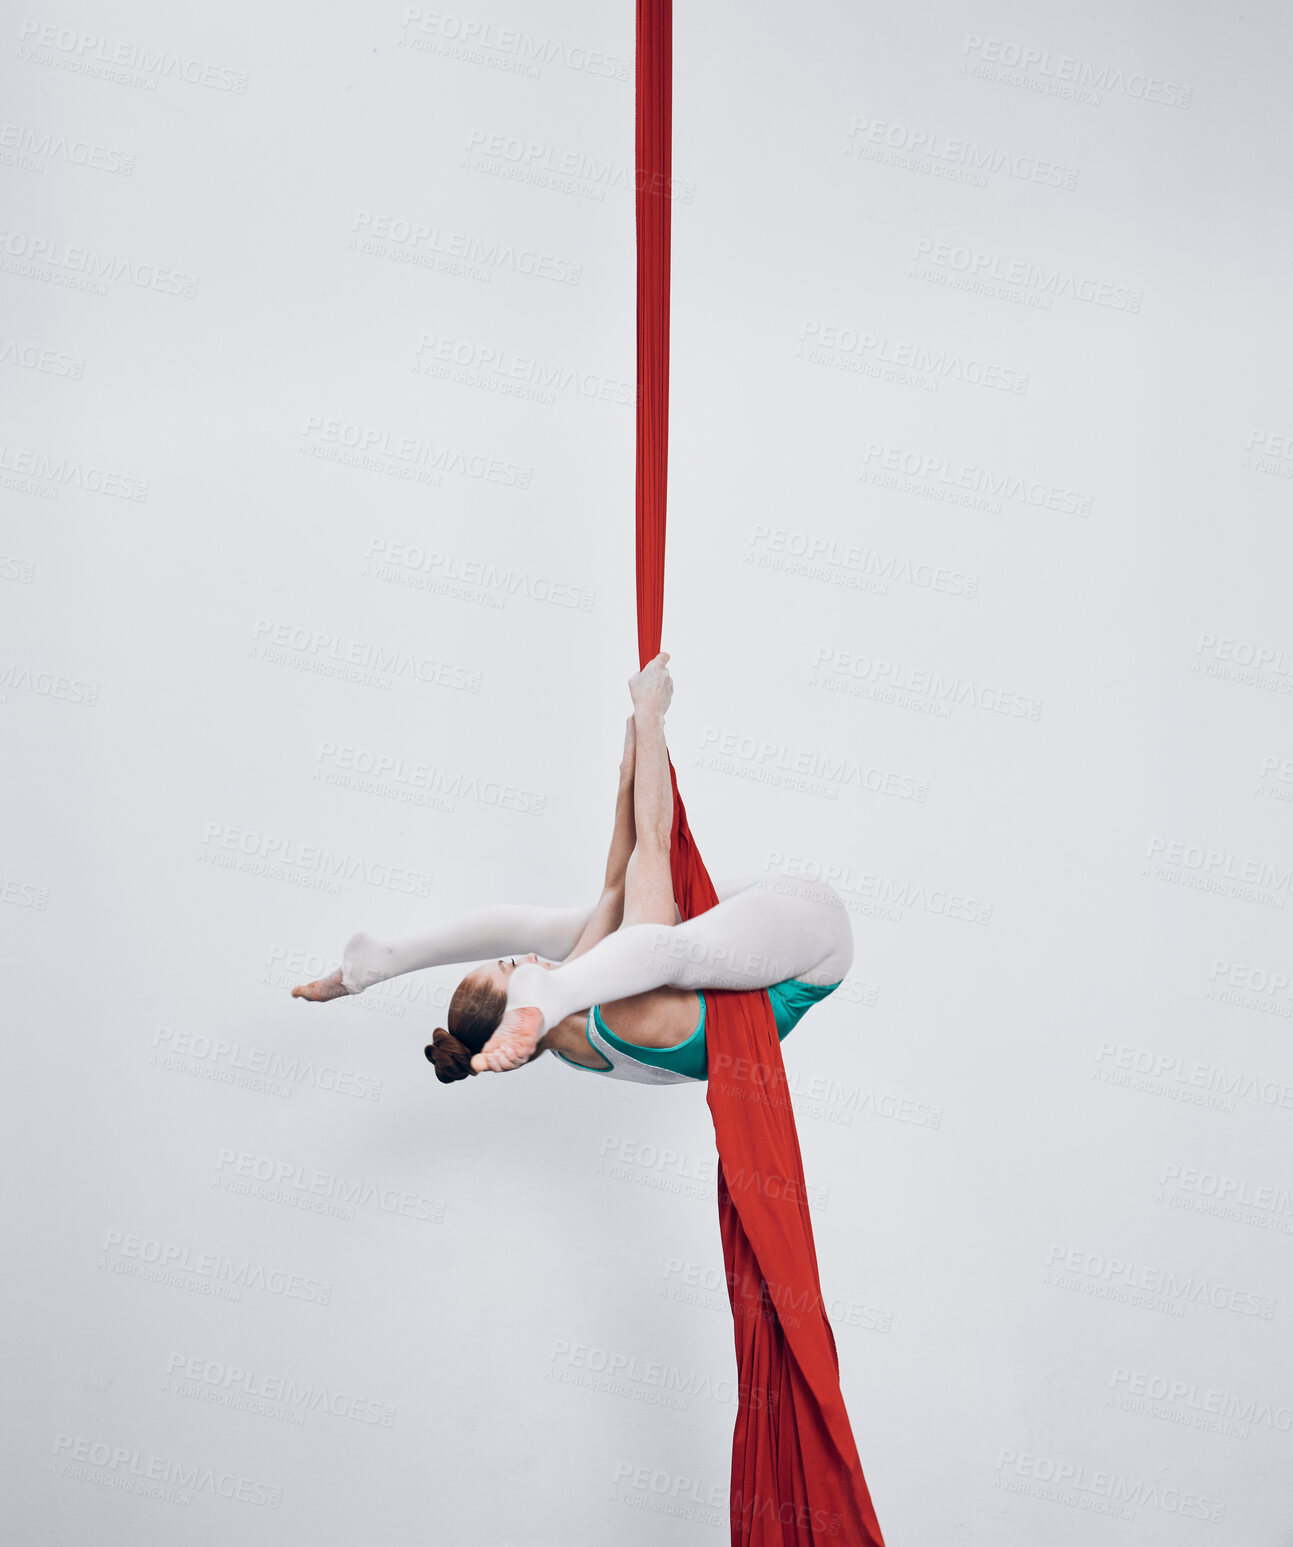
[[688, 1060]]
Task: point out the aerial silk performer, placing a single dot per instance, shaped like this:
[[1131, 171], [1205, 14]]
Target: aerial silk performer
[[659, 983], [619, 988], [669, 979]]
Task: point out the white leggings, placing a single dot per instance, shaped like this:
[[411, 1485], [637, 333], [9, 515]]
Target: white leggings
[[763, 931]]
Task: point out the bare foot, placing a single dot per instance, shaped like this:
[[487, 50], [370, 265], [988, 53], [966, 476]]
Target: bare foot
[[513, 1043], [321, 989]]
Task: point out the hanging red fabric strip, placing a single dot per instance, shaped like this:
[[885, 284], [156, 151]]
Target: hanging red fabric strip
[[654, 154], [796, 1477]]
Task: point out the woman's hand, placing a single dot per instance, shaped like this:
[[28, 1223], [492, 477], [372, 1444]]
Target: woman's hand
[[652, 689]]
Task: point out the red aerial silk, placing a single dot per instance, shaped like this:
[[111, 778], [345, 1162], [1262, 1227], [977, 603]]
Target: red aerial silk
[[796, 1476]]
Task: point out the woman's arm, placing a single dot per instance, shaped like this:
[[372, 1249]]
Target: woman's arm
[[648, 882], [608, 913]]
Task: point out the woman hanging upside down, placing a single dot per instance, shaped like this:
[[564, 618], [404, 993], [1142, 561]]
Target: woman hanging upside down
[[618, 990]]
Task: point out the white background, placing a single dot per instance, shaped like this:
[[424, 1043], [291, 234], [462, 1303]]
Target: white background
[[1048, 1120]]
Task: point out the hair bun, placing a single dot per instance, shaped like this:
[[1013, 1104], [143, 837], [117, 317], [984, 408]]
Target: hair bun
[[452, 1059]]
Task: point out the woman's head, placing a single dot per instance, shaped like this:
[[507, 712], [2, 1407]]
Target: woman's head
[[474, 1013]]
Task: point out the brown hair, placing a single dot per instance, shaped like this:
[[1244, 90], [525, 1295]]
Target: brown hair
[[474, 1013]]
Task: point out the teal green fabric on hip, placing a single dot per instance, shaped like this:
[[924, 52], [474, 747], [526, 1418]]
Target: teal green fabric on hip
[[687, 1060], [792, 1000]]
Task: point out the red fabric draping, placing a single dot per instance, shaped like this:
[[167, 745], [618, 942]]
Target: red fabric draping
[[796, 1476]]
